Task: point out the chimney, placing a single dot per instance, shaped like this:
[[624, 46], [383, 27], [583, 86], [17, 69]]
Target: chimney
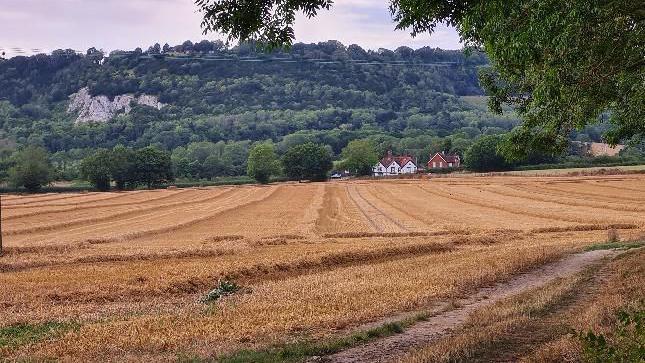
[[389, 153]]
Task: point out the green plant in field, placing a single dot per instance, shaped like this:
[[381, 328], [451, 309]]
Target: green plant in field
[[627, 344], [21, 334], [224, 288]]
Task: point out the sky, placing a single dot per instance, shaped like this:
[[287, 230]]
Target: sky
[[44, 25]]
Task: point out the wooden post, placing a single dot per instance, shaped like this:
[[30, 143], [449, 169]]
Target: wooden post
[[0, 225]]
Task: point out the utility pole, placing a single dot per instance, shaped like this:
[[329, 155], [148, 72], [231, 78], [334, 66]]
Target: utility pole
[[0, 225], [1, 59]]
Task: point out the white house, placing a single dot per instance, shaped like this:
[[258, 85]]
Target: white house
[[395, 165]]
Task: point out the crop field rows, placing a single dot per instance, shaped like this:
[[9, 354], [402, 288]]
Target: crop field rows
[[314, 260]]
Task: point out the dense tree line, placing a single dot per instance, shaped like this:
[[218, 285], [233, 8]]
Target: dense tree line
[[127, 168]]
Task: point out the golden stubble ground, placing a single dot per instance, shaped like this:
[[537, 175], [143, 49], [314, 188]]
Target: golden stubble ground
[[314, 259]]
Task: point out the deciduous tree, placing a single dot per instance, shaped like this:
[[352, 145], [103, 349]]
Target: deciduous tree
[[153, 166], [359, 157], [31, 169], [122, 164], [96, 169], [263, 162], [483, 155], [307, 162]]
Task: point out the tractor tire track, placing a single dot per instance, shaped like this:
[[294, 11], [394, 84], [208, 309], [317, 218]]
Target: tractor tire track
[[45, 203], [91, 205], [577, 203], [242, 202], [109, 217], [376, 218], [490, 205]]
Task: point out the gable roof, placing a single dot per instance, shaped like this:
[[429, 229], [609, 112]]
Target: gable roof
[[447, 158], [400, 160], [403, 160]]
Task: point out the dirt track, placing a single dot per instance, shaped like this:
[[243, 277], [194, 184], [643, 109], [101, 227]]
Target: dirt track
[[425, 332]]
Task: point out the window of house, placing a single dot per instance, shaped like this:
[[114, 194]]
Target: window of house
[[434, 164], [392, 169], [450, 165]]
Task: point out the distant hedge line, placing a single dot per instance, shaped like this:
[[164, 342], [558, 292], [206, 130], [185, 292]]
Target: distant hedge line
[[179, 184], [591, 163]]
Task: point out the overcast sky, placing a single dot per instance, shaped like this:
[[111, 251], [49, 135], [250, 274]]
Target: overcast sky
[[127, 24]]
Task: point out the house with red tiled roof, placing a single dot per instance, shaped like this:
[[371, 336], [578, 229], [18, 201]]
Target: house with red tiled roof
[[442, 160], [395, 165]]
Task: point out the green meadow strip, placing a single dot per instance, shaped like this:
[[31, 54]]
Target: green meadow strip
[[615, 245], [13, 336]]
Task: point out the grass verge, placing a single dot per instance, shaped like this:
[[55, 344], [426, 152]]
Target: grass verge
[[299, 351], [616, 245], [21, 334]]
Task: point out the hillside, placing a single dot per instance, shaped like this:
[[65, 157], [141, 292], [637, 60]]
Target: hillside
[[213, 93]]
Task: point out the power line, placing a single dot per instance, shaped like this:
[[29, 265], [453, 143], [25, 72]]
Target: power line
[[222, 57]]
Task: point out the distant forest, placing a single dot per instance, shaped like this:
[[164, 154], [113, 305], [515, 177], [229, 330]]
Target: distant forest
[[228, 98]]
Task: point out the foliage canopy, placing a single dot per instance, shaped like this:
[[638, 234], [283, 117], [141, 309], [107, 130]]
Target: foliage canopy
[[561, 64], [32, 169], [96, 169], [483, 155], [359, 157], [307, 162], [128, 168], [263, 162]]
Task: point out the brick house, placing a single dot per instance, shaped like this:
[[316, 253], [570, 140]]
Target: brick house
[[395, 165], [442, 160]]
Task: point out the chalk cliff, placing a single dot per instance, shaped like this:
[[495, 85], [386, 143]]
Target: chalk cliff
[[100, 108]]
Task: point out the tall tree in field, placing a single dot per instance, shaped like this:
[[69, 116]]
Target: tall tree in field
[[263, 163], [153, 166], [307, 162], [561, 64], [96, 169], [31, 169], [359, 157], [122, 166]]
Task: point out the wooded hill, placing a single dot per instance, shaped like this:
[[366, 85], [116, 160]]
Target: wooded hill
[[327, 92]]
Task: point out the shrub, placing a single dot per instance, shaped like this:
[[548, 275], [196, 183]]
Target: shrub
[[224, 288], [627, 345]]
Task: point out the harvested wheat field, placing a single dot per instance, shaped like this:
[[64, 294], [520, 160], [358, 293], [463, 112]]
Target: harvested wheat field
[[439, 269]]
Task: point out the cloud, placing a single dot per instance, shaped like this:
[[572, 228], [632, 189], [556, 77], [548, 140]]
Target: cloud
[[127, 24]]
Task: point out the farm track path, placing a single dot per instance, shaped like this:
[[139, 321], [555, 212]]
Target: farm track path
[[425, 332]]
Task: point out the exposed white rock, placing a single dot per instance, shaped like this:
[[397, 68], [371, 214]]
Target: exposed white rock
[[101, 109]]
